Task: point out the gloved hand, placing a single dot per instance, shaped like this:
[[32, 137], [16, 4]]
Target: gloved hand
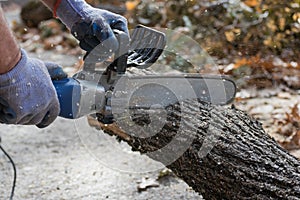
[[92, 26], [27, 95]]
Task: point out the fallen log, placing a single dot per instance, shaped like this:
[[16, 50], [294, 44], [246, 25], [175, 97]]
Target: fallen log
[[244, 162], [221, 152]]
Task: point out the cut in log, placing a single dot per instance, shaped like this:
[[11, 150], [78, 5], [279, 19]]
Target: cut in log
[[244, 163]]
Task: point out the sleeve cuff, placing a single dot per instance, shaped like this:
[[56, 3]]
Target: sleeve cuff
[[16, 72]]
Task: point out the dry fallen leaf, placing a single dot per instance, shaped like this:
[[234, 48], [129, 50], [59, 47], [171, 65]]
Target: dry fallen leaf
[[146, 183], [291, 128], [292, 142], [252, 3], [284, 95], [131, 5], [296, 113], [51, 42]]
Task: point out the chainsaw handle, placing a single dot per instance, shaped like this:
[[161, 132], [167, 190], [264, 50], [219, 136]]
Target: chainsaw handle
[[69, 93], [120, 55], [119, 64], [78, 98]]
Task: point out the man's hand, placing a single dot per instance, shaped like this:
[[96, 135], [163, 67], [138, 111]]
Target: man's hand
[[27, 95], [92, 26]]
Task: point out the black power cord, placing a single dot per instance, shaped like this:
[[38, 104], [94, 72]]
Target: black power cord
[[14, 169]]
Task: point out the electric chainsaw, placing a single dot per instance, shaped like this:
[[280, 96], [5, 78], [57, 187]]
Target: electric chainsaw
[[110, 91]]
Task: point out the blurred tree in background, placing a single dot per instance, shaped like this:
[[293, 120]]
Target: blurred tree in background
[[228, 28]]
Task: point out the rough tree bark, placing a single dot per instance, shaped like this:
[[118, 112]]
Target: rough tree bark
[[242, 162]]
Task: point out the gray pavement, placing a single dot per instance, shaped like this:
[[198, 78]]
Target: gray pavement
[[53, 163]]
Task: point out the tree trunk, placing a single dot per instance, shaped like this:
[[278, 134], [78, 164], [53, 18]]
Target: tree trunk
[[229, 155]]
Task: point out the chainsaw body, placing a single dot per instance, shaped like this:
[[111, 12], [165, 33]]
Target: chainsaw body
[[92, 91]]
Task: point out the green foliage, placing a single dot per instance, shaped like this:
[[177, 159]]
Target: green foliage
[[232, 27]]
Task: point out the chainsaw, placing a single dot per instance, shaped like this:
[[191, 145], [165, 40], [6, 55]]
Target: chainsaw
[[112, 90]]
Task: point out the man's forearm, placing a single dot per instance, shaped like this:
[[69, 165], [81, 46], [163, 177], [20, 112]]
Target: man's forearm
[[9, 49]]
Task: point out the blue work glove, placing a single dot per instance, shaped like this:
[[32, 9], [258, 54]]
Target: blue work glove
[[92, 26], [55, 71], [27, 95]]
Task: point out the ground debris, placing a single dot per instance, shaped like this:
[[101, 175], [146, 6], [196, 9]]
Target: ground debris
[[34, 12], [264, 72], [291, 129], [147, 183], [278, 112], [164, 177], [48, 34]]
